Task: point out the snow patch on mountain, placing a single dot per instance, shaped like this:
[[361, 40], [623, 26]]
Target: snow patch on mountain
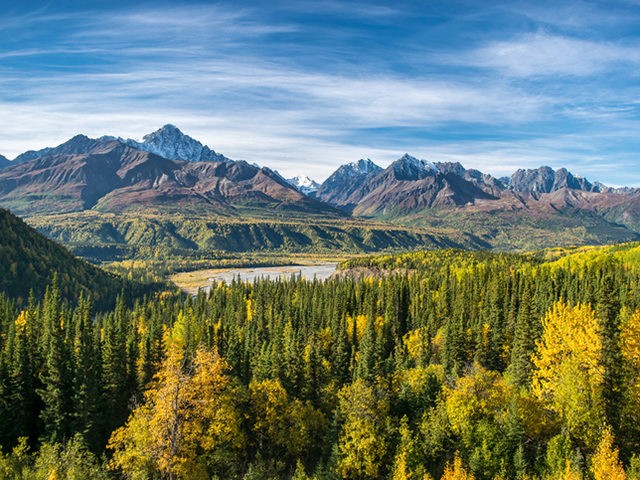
[[364, 166], [304, 184], [418, 164], [411, 168]]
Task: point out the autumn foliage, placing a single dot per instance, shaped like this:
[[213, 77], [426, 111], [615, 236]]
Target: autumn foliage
[[437, 365]]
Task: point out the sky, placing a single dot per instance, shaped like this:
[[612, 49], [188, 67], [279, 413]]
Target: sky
[[304, 86]]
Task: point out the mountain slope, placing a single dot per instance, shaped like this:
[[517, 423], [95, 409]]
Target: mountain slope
[[30, 260], [529, 210], [4, 162], [31, 155], [107, 237], [346, 181]]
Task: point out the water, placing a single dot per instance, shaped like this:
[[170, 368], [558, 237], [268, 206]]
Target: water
[[201, 280], [321, 272]]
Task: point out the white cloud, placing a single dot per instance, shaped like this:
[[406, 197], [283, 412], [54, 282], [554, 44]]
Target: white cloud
[[543, 54], [205, 70], [575, 15]]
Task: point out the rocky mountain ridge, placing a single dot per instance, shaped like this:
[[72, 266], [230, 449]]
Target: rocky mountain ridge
[[170, 172], [109, 175], [169, 142]]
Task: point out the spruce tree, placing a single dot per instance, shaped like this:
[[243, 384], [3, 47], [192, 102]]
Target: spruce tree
[[54, 393], [524, 343], [607, 310]]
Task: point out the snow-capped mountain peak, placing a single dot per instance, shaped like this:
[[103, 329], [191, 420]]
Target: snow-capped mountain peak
[[169, 142], [424, 164], [408, 167], [304, 184], [364, 166]]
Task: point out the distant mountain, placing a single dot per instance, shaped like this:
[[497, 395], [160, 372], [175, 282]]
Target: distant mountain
[[411, 185], [304, 184], [4, 162], [408, 168], [169, 142], [169, 172], [345, 181], [408, 184], [29, 261], [547, 180], [108, 175], [76, 145]]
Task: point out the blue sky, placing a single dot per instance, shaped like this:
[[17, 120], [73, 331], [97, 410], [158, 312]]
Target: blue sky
[[304, 86]]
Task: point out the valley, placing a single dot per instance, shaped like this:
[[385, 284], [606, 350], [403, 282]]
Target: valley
[[172, 198], [417, 355], [112, 237]]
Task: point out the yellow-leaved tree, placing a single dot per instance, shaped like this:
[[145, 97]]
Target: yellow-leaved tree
[[188, 410], [605, 464], [456, 471], [282, 425], [629, 433], [361, 446], [569, 473], [569, 369]]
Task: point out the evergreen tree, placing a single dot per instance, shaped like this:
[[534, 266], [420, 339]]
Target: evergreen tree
[[524, 343], [607, 309], [55, 389]]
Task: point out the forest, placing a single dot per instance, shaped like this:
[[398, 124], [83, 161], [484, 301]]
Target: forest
[[439, 364]]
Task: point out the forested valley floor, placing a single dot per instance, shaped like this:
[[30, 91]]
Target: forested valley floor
[[430, 365]]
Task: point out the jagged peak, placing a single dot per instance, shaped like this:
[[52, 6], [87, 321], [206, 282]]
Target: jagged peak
[[167, 130], [411, 160], [81, 137], [364, 166], [410, 168], [545, 179], [303, 181], [170, 142], [451, 167]]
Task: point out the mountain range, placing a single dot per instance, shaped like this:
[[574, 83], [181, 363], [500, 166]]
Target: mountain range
[[110, 175], [169, 172], [414, 189]]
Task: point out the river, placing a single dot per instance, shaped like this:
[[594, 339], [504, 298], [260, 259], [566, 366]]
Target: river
[[192, 282]]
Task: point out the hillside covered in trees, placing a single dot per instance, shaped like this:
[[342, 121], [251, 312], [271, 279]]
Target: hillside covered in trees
[[29, 260], [429, 365]]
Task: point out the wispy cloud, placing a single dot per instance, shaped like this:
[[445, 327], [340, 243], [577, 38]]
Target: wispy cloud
[[543, 54], [285, 88], [577, 15]]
